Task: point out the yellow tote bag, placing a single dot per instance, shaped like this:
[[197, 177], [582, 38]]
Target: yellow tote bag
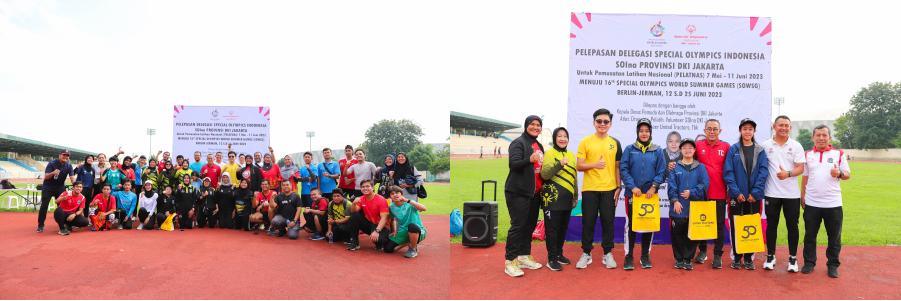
[[748, 234], [702, 220], [167, 225], [646, 213]]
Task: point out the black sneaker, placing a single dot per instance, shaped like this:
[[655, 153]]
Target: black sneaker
[[678, 264], [736, 264], [281, 233], [807, 269], [348, 241], [40, 229], [353, 246], [554, 265], [749, 264], [717, 262], [629, 264], [702, 256], [770, 262], [687, 265], [833, 271], [563, 260], [645, 262], [64, 232]]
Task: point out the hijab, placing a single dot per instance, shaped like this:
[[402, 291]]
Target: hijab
[[148, 193], [646, 144], [401, 170], [125, 167], [525, 133], [561, 149], [167, 171], [88, 167], [391, 167], [267, 166], [223, 181], [288, 170]]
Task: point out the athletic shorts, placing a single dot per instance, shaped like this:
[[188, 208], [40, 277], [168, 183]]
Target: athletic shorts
[[403, 237]]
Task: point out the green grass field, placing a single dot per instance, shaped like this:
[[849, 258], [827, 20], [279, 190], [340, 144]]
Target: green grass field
[[871, 204]]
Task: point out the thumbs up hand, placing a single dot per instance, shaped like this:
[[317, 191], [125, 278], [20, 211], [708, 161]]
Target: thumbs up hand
[[782, 174], [534, 158], [601, 164], [834, 172]]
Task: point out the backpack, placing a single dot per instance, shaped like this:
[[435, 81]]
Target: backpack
[[6, 184]]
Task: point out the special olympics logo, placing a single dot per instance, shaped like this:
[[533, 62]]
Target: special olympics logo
[[231, 112], [215, 113], [690, 29], [749, 232], [703, 217], [657, 29]]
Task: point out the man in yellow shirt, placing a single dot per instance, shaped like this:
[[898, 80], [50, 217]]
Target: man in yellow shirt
[[231, 168], [598, 158]]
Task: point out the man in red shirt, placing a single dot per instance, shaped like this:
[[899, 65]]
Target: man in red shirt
[[70, 208], [105, 206], [370, 214], [212, 171], [345, 163], [712, 153]]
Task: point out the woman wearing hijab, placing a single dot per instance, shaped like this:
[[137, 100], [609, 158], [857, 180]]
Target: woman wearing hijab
[[164, 178], [209, 209], [85, 174], [272, 172], [129, 171], [243, 203], [147, 204], [383, 175], [523, 200], [407, 177], [165, 206], [559, 194], [151, 174], [642, 171], [185, 199], [288, 171], [225, 199], [672, 154], [251, 173]]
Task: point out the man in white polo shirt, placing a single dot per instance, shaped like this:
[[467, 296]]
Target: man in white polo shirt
[[785, 160], [821, 199]]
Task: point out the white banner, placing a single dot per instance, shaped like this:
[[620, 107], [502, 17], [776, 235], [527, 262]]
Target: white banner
[[211, 129], [676, 70]]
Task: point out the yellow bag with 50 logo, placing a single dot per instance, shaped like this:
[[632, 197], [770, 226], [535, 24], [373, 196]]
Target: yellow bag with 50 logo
[[748, 234], [646, 213]]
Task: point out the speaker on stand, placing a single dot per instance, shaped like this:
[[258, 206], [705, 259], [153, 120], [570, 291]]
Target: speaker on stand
[[480, 220]]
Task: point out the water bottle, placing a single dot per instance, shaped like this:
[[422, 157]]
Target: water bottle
[[331, 238]]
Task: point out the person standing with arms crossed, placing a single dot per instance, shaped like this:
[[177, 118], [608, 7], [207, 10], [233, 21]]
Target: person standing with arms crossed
[[782, 194], [821, 199], [601, 186], [711, 152], [521, 191], [54, 183]]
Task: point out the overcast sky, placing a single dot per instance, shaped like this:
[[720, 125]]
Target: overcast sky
[[515, 58], [94, 74]]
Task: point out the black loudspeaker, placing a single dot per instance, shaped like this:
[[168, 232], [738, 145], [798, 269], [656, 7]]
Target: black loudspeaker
[[480, 221]]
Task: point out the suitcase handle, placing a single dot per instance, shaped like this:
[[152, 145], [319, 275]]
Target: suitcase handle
[[495, 189]]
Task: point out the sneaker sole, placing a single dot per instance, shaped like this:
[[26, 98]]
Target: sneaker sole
[[586, 265], [552, 269], [628, 268], [768, 268], [522, 266], [508, 273]]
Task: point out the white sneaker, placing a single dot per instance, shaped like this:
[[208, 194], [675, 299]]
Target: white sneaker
[[512, 268], [528, 262], [792, 264], [770, 262], [608, 260], [584, 261], [120, 227], [141, 226]]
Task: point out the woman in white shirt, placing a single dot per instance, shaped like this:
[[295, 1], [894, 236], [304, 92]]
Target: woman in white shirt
[[146, 205]]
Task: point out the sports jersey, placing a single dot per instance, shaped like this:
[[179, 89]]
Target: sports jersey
[[591, 149], [823, 190], [72, 204], [786, 156]]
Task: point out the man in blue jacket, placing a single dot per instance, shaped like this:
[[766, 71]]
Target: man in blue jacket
[[642, 170], [688, 181], [745, 172]]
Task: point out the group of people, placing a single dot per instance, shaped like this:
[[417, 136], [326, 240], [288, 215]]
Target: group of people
[[743, 178], [495, 152], [336, 200]]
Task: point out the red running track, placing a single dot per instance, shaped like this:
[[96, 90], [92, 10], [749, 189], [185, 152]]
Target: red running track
[[865, 273], [210, 264]]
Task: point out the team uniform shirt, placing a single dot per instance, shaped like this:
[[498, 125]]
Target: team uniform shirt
[[103, 205], [344, 164], [288, 204], [232, 171], [406, 214], [212, 172], [180, 175], [196, 166], [86, 177], [72, 204], [338, 210], [126, 201], [274, 176], [326, 184], [374, 208], [115, 178], [559, 191], [590, 149], [362, 172], [823, 190], [714, 158], [263, 200], [129, 174], [786, 156], [320, 204], [305, 186], [59, 182]]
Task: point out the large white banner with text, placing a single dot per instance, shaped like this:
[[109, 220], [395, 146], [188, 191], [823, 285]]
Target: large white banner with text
[[678, 71], [211, 129]]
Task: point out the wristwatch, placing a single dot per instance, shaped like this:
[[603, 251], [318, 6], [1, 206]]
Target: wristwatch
[[377, 231], [656, 185]]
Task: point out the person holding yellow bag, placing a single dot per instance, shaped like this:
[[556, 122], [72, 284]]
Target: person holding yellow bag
[[687, 182], [642, 169], [745, 172], [558, 195]]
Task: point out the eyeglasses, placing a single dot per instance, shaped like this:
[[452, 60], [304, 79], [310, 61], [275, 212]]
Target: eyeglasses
[[231, 156], [711, 129], [602, 121]]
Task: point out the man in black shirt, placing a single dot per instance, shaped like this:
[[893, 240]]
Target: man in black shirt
[[288, 205], [54, 183]]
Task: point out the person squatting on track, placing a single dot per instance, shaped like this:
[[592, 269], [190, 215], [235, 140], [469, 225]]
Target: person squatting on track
[[339, 211], [408, 227], [642, 170], [70, 206], [287, 206], [559, 196], [523, 198], [745, 172], [688, 181], [315, 215], [126, 206], [370, 215]]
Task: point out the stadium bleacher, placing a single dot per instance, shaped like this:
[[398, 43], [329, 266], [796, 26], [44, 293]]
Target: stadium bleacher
[[17, 156], [19, 164]]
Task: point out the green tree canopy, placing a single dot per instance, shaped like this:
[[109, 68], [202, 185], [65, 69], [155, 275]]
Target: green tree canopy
[[422, 156], [440, 165], [874, 119], [805, 137], [390, 137]]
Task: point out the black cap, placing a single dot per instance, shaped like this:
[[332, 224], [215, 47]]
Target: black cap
[[745, 121], [644, 121], [689, 141]]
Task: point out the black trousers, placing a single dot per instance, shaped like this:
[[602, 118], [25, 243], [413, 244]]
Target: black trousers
[[87, 192], [61, 215], [184, 219], [683, 248], [160, 219], [720, 229], [206, 216], [792, 210], [555, 225], [832, 219], [359, 222], [226, 221], [596, 203], [390, 245], [46, 196], [523, 218], [646, 238], [736, 208], [143, 214], [341, 231], [124, 220], [311, 223], [242, 222], [357, 193], [327, 196]]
